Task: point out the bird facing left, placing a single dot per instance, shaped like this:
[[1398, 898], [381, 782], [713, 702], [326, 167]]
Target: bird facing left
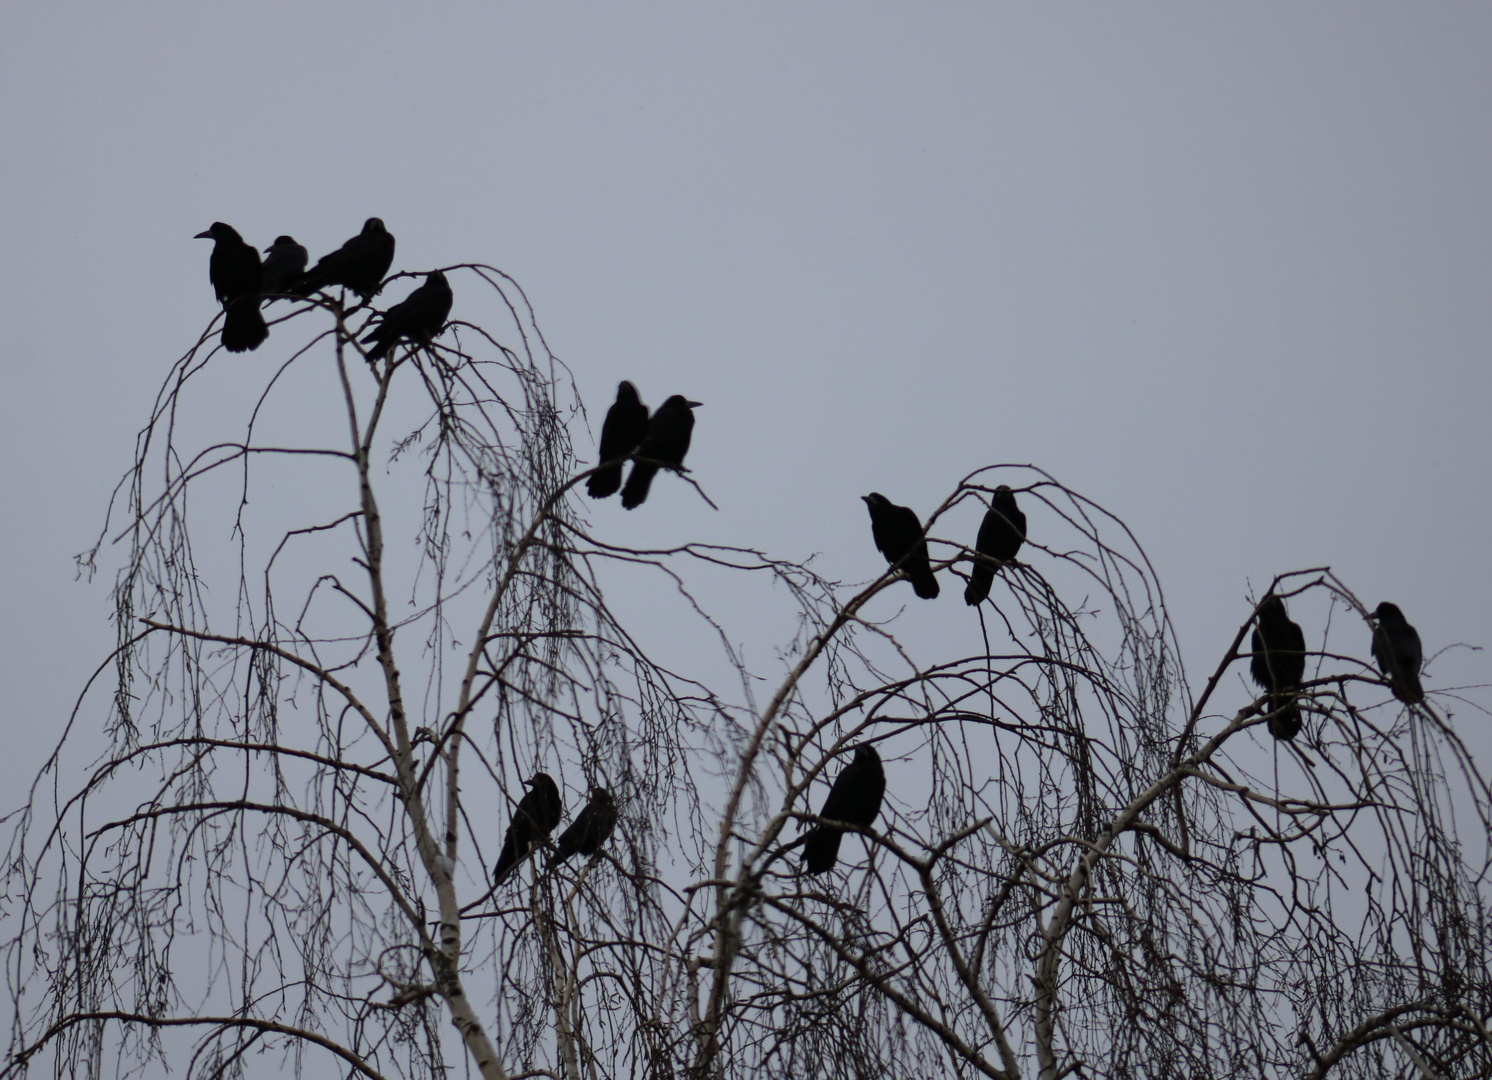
[[236, 274]]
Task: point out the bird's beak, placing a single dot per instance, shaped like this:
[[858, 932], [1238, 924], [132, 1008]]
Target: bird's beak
[[865, 499], [694, 404], [203, 235]]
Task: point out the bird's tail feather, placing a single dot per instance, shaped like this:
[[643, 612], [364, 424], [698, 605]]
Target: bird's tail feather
[[1407, 688], [980, 581], [244, 328], [638, 483], [821, 850], [605, 481], [924, 583], [1285, 724]]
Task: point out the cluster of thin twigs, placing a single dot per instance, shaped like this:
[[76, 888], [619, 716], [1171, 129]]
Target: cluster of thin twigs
[[317, 730]]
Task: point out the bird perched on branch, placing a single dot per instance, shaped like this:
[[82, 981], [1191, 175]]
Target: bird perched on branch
[[1397, 649], [538, 812], [1001, 534], [284, 263], [1278, 665], [855, 799], [358, 264], [235, 272], [590, 829], [666, 443], [419, 317], [625, 425], [898, 535]]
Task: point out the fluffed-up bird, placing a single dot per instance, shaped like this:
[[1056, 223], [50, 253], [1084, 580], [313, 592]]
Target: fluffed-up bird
[[898, 535], [855, 799], [590, 829], [1397, 649], [538, 812], [1278, 665], [419, 317], [284, 264], [1001, 534], [621, 433], [359, 264], [235, 272], [666, 442]]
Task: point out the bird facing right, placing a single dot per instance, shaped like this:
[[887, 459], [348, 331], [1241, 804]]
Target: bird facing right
[[535, 817], [358, 264], [590, 829], [666, 441], [1278, 665], [898, 535], [1001, 534], [625, 425], [1397, 649], [855, 799], [419, 317]]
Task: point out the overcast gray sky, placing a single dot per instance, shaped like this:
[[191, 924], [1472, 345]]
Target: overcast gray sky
[[1224, 269]]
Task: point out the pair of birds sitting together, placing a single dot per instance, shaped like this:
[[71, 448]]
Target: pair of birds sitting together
[[899, 535], [656, 441], [242, 283], [539, 811], [855, 799], [1279, 660]]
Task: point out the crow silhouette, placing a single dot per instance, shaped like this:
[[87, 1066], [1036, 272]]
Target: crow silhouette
[[1278, 665], [1001, 534], [898, 535], [623, 430], [855, 799], [235, 272], [419, 317], [1397, 649], [666, 441]]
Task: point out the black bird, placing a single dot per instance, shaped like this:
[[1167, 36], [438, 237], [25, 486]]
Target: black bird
[[855, 799], [538, 812], [284, 263], [358, 264], [590, 828], [235, 273], [1001, 534], [1397, 649], [625, 425], [898, 534], [666, 441], [1278, 665], [420, 317]]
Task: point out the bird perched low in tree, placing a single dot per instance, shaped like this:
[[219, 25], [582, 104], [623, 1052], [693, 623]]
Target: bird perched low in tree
[[1397, 649], [855, 799], [284, 263], [1001, 534], [358, 264], [1278, 665], [538, 812], [666, 442], [590, 829], [623, 430], [235, 272], [419, 317], [898, 535]]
